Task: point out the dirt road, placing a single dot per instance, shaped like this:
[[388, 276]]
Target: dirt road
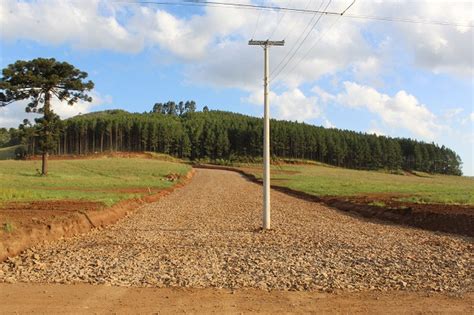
[[99, 299], [206, 235]]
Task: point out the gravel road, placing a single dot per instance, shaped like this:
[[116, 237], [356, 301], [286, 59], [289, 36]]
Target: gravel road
[[207, 234]]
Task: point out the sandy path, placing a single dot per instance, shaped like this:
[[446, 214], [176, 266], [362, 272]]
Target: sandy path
[[207, 235]]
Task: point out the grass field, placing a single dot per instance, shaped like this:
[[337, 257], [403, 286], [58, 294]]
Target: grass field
[[331, 181], [106, 180], [109, 180]]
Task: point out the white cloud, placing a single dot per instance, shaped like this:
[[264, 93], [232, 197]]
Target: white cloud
[[377, 132], [328, 124], [294, 105], [289, 105], [217, 37], [221, 70], [90, 24], [122, 27], [468, 119], [375, 129], [325, 96], [188, 38], [440, 49], [451, 113], [402, 110], [368, 70], [14, 114]]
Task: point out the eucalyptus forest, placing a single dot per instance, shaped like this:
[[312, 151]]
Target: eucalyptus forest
[[178, 129]]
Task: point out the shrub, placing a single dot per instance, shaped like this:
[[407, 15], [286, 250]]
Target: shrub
[[20, 153]]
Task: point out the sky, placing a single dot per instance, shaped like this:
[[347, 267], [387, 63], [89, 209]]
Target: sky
[[397, 79]]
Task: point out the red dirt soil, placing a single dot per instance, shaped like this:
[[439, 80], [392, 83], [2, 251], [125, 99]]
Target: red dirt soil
[[435, 217], [26, 216], [130, 190], [44, 206], [390, 201], [88, 299]]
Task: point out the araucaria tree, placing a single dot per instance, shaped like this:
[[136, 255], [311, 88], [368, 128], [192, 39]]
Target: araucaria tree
[[39, 81]]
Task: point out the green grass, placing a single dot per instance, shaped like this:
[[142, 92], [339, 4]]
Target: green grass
[[377, 204], [165, 157], [8, 153], [333, 181], [8, 227], [92, 180]]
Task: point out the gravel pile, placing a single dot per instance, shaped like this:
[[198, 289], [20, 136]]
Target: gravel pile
[[207, 235]]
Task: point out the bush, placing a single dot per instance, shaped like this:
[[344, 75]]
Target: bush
[[20, 153]]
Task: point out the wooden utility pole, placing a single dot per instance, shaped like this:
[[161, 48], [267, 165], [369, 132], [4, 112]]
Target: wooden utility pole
[[266, 129]]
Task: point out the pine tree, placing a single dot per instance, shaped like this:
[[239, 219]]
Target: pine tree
[[39, 81]]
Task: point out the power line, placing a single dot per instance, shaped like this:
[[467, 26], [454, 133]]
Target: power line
[[299, 37], [293, 53], [263, 18], [322, 35], [279, 21], [406, 20], [256, 25], [255, 6], [295, 10], [290, 30], [228, 5], [356, 16], [350, 5]]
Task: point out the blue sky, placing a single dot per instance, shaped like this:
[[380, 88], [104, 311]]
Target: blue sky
[[396, 79]]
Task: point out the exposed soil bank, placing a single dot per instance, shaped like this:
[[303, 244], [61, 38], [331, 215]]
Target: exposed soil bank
[[78, 299], [454, 219], [38, 221]]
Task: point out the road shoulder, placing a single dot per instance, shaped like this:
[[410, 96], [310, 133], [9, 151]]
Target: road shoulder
[[85, 298]]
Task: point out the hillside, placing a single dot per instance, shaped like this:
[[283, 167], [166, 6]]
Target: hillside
[[219, 135]]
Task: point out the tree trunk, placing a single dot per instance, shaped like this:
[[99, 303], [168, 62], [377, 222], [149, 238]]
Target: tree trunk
[[86, 142], [93, 141], [111, 148], [79, 151], [116, 137], [44, 166], [64, 145]]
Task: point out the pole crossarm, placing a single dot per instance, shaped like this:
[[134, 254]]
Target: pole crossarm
[[267, 42]]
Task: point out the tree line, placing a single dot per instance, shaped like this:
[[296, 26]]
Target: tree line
[[9, 137], [179, 130]]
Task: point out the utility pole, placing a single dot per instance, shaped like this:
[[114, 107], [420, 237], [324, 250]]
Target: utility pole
[[266, 129]]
